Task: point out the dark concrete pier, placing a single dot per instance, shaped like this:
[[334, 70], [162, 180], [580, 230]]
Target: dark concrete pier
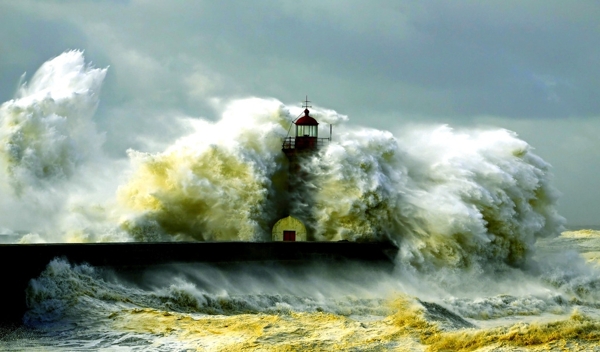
[[22, 262]]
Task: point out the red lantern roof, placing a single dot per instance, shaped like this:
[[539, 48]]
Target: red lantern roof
[[306, 120]]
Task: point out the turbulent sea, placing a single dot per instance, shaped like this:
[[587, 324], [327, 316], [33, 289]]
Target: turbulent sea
[[484, 263], [318, 307]]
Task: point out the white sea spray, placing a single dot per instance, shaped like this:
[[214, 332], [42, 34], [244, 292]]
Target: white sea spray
[[47, 131], [447, 197], [473, 212]]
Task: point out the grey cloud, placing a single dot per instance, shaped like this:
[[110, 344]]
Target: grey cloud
[[462, 58]]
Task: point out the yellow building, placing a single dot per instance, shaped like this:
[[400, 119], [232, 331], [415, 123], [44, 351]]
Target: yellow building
[[289, 229]]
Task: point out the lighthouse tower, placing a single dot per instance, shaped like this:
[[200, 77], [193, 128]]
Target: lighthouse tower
[[305, 143]]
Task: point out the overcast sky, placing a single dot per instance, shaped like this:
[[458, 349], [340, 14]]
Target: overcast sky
[[529, 66]]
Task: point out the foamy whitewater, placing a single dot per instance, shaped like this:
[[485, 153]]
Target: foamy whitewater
[[482, 262]]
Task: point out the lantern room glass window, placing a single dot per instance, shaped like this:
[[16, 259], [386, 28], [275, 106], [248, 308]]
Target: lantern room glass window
[[306, 130]]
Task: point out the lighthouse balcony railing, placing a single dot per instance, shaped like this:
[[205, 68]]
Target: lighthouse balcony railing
[[290, 142]]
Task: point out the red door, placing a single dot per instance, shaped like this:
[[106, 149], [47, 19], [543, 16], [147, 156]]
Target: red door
[[289, 235]]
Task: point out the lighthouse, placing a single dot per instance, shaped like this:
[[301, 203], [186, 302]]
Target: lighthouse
[[305, 143]]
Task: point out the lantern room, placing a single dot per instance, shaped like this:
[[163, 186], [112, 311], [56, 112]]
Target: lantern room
[[306, 126], [307, 135], [307, 130]]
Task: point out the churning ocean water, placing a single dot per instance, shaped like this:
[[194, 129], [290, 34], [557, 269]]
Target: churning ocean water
[[320, 307]]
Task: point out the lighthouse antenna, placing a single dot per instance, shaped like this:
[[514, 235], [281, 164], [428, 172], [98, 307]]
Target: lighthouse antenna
[[305, 103]]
